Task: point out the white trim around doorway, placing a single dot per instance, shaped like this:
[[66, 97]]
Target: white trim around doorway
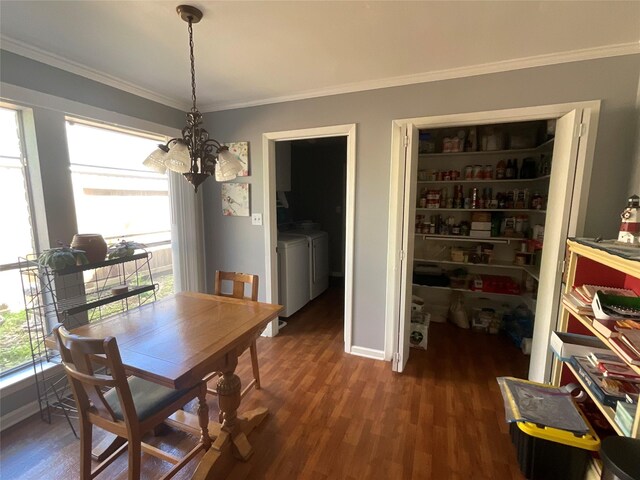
[[271, 232], [582, 181]]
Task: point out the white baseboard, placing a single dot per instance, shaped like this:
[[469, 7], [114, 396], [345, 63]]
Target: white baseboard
[[19, 414], [367, 352]]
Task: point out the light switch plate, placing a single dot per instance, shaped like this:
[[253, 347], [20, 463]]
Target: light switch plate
[[256, 219]]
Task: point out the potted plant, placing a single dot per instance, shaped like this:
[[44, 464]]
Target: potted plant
[[123, 248], [59, 258]]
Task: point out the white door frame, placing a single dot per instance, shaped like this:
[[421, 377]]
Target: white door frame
[[271, 232], [582, 181]]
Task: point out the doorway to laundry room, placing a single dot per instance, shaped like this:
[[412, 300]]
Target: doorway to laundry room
[[310, 201], [310, 217]]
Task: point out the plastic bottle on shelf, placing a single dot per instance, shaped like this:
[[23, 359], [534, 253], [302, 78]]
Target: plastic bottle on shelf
[[422, 203], [508, 172], [475, 198], [472, 140], [502, 200], [536, 201]]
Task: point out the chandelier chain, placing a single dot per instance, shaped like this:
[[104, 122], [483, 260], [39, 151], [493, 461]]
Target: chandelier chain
[[193, 65]]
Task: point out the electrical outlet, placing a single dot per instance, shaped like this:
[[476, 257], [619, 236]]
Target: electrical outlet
[[256, 219]]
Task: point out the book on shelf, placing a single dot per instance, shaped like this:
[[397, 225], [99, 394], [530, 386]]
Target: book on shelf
[[631, 338], [587, 291], [607, 391], [627, 324], [606, 328], [622, 349], [612, 327], [576, 303], [611, 358], [625, 414], [621, 372]]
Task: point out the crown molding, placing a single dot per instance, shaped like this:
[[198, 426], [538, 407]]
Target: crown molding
[[39, 55], [461, 72]]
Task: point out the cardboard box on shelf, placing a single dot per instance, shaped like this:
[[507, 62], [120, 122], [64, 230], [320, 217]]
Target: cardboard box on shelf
[[480, 233], [480, 226]]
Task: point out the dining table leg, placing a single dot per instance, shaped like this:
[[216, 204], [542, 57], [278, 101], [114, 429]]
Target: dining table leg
[[203, 416], [232, 441]]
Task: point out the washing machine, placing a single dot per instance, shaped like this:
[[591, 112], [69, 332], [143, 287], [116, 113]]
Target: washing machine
[[293, 273], [318, 251]]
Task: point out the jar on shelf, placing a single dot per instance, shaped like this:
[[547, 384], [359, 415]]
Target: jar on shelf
[[536, 201], [426, 143], [468, 172]]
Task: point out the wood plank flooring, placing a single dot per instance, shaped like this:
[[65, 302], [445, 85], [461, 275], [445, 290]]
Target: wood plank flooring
[[336, 416]]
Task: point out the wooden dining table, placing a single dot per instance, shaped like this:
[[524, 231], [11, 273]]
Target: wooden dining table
[[176, 342]]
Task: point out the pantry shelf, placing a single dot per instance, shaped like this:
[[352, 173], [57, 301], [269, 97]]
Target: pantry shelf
[[526, 298], [467, 290], [460, 238], [528, 210], [531, 270], [543, 146], [483, 181]]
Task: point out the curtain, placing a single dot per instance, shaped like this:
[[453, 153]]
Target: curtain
[[187, 235]]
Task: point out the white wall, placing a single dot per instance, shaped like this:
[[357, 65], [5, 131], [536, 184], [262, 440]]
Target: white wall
[[233, 243]]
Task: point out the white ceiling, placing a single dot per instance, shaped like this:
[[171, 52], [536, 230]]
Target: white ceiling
[[251, 53]]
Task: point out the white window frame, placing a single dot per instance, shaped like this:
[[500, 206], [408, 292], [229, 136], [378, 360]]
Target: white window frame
[[24, 161]]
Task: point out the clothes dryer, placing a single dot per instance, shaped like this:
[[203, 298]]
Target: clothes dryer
[[293, 273], [318, 242]]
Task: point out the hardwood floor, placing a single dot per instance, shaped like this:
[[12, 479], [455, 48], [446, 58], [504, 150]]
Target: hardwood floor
[[336, 416]]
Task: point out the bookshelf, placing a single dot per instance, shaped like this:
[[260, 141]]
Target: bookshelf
[[599, 263]]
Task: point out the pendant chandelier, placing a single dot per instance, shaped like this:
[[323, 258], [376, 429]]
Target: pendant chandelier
[[195, 155]]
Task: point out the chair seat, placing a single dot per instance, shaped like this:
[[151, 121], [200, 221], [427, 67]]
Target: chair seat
[[148, 398]]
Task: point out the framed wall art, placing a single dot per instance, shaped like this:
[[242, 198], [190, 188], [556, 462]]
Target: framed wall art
[[235, 199]]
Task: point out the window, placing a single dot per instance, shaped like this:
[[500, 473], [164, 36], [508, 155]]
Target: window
[[117, 197], [16, 241]]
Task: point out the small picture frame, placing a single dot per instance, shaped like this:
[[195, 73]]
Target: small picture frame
[[235, 199], [241, 151]]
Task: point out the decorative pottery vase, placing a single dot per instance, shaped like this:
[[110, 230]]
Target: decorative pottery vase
[[93, 244]]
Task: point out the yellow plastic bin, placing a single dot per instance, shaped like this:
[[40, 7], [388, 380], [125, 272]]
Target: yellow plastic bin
[[550, 454], [547, 453]]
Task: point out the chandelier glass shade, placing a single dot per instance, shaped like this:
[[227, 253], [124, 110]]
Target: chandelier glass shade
[[195, 155]]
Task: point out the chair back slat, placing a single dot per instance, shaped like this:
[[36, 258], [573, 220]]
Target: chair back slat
[[81, 356], [239, 282]]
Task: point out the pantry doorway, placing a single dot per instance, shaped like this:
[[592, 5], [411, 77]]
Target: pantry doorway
[[576, 125]]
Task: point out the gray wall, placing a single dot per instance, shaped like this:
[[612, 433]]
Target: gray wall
[[233, 243], [37, 76], [47, 150]]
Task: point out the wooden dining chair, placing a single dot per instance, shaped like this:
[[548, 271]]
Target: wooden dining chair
[[126, 407], [238, 284]]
